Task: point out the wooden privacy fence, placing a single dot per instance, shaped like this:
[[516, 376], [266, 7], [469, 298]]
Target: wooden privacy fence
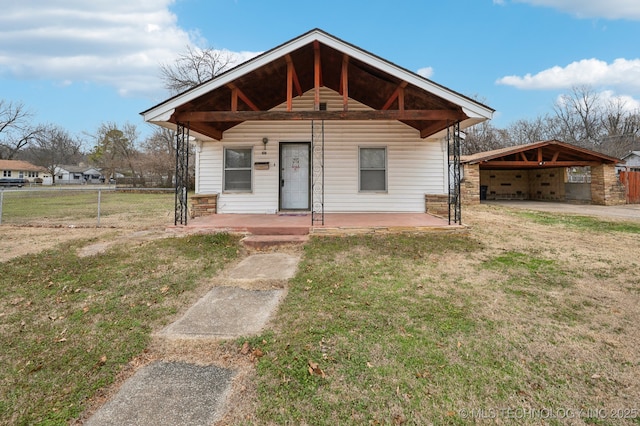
[[631, 182]]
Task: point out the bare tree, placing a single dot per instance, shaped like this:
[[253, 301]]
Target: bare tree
[[194, 67], [482, 137], [528, 131], [16, 132], [115, 149], [52, 148], [159, 155], [579, 112]]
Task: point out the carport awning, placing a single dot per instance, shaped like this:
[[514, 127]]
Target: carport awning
[[544, 154]]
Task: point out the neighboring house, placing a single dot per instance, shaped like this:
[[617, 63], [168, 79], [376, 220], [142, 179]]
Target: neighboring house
[[318, 124], [78, 175], [630, 162], [19, 173]]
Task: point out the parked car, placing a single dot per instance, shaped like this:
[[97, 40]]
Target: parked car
[[12, 182]]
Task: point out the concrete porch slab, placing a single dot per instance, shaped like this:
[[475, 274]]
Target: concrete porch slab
[[300, 224]]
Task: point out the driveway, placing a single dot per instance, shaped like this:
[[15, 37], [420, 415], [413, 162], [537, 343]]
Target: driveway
[[624, 212]]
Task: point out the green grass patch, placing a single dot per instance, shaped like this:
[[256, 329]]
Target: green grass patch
[[68, 325], [81, 207], [525, 273], [585, 223], [387, 350]]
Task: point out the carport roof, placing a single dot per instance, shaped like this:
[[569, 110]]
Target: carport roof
[[543, 154]]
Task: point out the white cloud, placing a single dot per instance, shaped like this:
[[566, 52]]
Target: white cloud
[[627, 102], [117, 43], [426, 72], [609, 9], [621, 73]]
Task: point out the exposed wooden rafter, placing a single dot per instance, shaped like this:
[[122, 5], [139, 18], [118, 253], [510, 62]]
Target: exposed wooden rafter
[[317, 75], [292, 82], [397, 94], [344, 82], [237, 93]]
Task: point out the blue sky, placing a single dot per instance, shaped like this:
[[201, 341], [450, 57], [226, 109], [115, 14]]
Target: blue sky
[[78, 63]]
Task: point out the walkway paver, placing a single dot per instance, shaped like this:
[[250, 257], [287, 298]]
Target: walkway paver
[[177, 393], [167, 393]]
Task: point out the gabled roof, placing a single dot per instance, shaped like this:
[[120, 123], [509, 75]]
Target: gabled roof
[[76, 169], [19, 165], [636, 153], [313, 60], [543, 154]]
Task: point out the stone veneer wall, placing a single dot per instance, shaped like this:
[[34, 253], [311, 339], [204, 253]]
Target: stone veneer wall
[[203, 205], [605, 187], [470, 185], [437, 204]]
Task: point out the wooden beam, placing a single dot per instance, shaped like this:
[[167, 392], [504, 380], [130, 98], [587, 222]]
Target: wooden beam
[[242, 96], [344, 83], [289, 84], [234, 99], [296, 81], [406, 115], [206, 129], [434, 128], [395, 95], [545, 164], [317, 75], [555, 156], [539, 154]]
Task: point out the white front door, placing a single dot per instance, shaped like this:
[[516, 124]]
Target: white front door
[[294, 176]]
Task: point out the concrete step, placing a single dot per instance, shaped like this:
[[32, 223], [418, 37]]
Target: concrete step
[[278, 230], [261, 242]]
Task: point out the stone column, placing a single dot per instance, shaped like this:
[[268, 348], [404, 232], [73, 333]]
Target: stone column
[[606, 190], [470, 185], [203, 205]]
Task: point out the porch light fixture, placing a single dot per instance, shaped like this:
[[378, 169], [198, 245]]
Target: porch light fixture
[[265, 141]]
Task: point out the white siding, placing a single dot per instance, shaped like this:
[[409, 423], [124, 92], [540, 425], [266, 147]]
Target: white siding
[[415, 166]]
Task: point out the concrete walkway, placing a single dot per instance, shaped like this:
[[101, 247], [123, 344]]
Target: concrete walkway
[[179, 393]]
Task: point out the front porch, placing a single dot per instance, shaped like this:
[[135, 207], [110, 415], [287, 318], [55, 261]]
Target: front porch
[[334, 224]]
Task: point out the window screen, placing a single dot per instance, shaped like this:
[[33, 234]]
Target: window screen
[[373, 169], [237, 169]]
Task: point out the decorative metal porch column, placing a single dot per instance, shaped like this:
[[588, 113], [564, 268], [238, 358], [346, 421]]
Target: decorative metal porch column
[[317, 183], [182, 173], [453, 150]]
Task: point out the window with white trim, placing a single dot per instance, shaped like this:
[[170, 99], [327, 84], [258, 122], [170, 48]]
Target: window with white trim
[[237, 169], [6, 173], [373, 169]]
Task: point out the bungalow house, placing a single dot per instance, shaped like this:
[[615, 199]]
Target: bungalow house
[[66, 174], [20, 173], [630, 162], [318, 125]]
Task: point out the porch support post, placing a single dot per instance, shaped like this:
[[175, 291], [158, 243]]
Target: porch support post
[[453, 149], [182, 173], [317, 183]]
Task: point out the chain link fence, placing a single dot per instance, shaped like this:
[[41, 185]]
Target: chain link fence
[[85, 206]]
